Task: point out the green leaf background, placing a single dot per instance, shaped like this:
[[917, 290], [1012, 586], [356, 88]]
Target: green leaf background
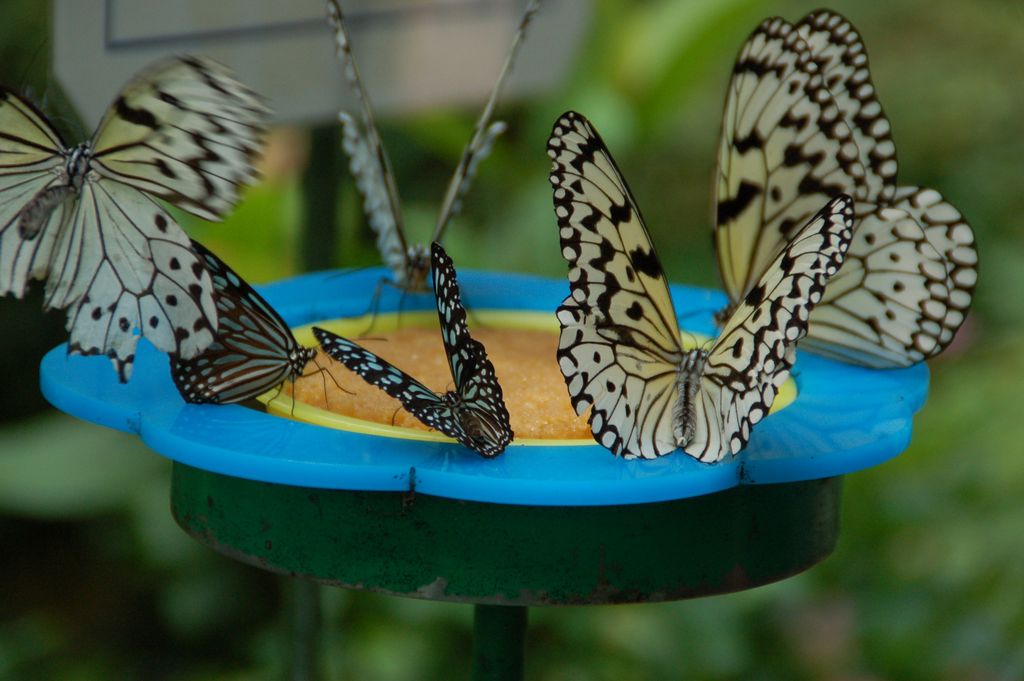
[[927, 582]]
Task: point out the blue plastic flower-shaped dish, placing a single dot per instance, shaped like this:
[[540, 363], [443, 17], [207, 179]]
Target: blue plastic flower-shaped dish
[[543, 523]]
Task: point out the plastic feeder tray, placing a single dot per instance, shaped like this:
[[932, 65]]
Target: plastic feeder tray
[[544, 524]]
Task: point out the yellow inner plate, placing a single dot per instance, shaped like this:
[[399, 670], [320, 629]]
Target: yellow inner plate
[[281, 404]]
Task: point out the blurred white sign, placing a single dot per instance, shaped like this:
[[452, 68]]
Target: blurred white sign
[[413, 54]]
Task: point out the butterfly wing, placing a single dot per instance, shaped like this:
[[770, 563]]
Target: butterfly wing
[[418, 399], [28, 138], [31, 157], [486, 416], [110, 255], [484, 133], [368, 161], [252, 352], [619, 345], [892, 322], [367, 164], [183, 130], [953, 238], [785, 150], [842, 60], [886, 306], [122, 269], [752, 356], [889, 306]]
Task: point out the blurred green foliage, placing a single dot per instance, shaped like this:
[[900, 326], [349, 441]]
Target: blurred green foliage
[[928, 579]]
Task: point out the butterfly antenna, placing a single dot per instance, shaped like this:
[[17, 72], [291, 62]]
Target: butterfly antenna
[[368, 160], [65, 115], [44, 103], [699, 312], [484, 134], [23, 80], [326, 370], [347, 271]]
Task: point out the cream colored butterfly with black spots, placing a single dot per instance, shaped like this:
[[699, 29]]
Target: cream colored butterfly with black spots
[[802, 124], [620, 349], [85, 218], [369, 164]]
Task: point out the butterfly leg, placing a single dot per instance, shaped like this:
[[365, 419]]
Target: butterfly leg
[[395, 414], [374, 307]]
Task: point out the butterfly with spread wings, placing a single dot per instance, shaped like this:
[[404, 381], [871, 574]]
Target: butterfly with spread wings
[[474, 413], [369, 164], [620, 349], [802, 124], [85, 217], [253, 350]]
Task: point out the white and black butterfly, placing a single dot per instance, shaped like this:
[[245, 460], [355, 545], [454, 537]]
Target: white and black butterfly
[[369, 164], [474, 413], [620, 348], [84, 217], [253, 350], [802, 124]]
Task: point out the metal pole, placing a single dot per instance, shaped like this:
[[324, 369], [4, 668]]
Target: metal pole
[[317, 248], [305, 630], [499, 632]]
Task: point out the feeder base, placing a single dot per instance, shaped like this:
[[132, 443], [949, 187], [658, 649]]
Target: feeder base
[[500, 554]]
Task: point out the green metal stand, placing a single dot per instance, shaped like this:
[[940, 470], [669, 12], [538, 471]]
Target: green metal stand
[[504, 557], [499, 634], [318, 250], [305, 630]]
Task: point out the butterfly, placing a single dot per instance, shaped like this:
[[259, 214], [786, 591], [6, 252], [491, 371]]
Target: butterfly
[[474, 413], [253, 350], [369, 164], [802, 124], [620, 349], [85, 217]]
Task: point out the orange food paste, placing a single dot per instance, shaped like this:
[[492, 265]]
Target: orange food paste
[[524, 361]]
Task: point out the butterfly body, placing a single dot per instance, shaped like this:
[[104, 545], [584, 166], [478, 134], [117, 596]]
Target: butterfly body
[[474, 413], [684, 412], [481, 429], [76, 171], [413, 273]]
